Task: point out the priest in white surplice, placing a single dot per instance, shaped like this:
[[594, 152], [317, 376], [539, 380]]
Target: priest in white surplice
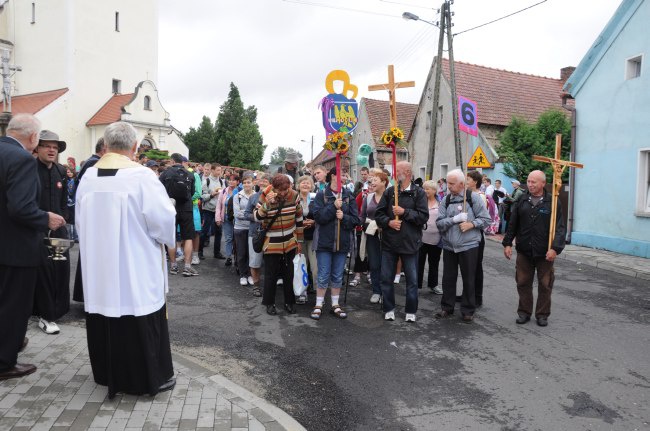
[[124, 218]]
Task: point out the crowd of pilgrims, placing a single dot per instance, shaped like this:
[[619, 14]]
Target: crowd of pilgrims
[[339, 235]]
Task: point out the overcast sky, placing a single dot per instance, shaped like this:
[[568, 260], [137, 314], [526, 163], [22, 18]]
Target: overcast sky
[[278, 53]]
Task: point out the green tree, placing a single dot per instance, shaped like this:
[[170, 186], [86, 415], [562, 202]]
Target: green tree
[[238, 139], [521, 140], [279, 154], [201, 141]]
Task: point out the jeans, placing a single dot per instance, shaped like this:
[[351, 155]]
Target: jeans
[[388, 269], [373, 249], [331, 266], [310, 254], [228, 232], [451, 261], [209, 227]]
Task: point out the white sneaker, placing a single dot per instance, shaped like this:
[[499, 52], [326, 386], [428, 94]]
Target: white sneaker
[[179, 254], [48, 327], [410, 317], [279, 282], [243, 281], [389, 316], [397, 277], [374, 299], [250, 280], [437, 290], [195, 260]]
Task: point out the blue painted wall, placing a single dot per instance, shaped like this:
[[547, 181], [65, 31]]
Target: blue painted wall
[[613, 122]]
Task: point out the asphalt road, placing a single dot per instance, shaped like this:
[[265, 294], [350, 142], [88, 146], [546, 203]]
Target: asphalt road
[[588, 370]]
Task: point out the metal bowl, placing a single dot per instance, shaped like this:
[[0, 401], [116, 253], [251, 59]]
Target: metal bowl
[[58, 246]]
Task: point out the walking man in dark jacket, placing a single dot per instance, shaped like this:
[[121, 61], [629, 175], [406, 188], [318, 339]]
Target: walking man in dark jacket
[[401, 237], [530, 223]]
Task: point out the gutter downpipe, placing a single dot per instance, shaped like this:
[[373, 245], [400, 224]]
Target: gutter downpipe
[[572, 172]]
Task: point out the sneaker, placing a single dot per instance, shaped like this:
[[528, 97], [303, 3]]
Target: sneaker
[[279, 282], [243, 281], [179, 254], [355, 282], [302, 299], [389, 316], [173, 270], [437, 290], [195, 260], [410, 317], [189, 272], [250, 280], [228, 261], [374, 299], [48, 327], [397, 277]]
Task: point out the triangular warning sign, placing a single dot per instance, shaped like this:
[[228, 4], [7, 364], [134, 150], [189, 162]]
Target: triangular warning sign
[[478, 160]]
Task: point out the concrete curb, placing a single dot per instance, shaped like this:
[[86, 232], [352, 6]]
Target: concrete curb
[[631, 266], [237, 394]]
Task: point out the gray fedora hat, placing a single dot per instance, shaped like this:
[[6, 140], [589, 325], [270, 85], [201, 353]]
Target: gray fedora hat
[[48, 135], [291, 157]]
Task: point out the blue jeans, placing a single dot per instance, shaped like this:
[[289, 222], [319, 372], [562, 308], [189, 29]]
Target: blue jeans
[[373, 249], [228, 233], [388, 269], [331, 266]]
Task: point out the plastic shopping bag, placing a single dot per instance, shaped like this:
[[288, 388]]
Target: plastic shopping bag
[[300, 277]]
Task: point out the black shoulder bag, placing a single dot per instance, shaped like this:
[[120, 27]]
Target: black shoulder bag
[[260, 234]]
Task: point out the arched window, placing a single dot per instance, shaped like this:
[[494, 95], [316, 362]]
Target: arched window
[[147, 103]]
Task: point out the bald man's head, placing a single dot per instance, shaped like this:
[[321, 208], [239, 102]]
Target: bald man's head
[[536, 182]]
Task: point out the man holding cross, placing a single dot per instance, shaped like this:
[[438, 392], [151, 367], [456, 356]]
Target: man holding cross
[[530, 223]]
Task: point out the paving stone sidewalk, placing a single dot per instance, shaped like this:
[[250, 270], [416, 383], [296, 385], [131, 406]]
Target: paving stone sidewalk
[[62, 395]]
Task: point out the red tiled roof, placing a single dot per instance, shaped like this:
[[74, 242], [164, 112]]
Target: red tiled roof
[[111, 111], [32, 103], [379, 115], [501, 94]]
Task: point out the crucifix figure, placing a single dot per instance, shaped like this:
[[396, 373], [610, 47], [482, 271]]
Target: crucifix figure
[[391, 87], [559, 166]]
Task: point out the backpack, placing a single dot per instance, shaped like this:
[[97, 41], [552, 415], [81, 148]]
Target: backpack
[[179, 184], [468, 193], [230, 211]]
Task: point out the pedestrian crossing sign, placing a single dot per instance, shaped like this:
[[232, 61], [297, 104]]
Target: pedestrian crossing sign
[[478, 160]]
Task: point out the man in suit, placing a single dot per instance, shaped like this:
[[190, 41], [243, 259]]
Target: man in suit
[[22, 225]]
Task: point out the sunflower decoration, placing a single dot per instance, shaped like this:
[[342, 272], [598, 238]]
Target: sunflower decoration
[[394, 136], [337, 142]]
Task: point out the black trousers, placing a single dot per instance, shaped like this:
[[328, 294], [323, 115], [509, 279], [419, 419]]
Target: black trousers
[[451, 261], [241, 243], [432, 253], [278, 266], [17, 286]]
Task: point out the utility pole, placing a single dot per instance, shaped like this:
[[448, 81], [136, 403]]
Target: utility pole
[[445, 26]]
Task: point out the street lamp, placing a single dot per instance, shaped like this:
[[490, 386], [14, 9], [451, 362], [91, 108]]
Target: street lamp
[[312, 146], [414, 17]]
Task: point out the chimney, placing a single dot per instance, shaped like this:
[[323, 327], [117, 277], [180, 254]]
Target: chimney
[[565, 72]]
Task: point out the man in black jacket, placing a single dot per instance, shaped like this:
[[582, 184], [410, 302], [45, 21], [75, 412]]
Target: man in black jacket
[[530, 224], [401, 237], [22, 225]]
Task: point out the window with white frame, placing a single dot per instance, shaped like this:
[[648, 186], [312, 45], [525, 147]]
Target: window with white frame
[[444, 168], [633, 67], [643, 185]]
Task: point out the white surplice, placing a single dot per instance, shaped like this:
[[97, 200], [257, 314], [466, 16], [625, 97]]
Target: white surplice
[[123, 221]]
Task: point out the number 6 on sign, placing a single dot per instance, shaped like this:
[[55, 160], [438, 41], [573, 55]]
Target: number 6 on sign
[[467, 116]]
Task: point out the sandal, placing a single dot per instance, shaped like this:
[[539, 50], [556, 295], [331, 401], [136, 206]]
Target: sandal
[[316, 312], [338, 311], [257, 291]]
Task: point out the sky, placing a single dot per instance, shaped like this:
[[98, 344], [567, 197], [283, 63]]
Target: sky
[[279, 52]]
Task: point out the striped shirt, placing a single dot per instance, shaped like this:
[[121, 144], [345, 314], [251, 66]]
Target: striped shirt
[[287, 229]]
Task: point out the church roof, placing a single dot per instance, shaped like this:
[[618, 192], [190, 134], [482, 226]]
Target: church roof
[[111, 111], [32, 103], [379, 116], [501, 94]]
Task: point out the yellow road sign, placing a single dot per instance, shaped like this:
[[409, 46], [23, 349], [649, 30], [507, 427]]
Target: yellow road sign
[[478, 160]]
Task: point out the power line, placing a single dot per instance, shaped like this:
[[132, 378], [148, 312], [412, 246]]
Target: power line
[[407, 4], [499, 19], [306, 3]]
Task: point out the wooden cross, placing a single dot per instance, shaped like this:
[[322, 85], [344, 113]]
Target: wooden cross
[[391, 87], [559, 166]]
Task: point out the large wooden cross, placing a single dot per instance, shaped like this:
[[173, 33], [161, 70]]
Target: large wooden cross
[[391, 87], [559, 166]]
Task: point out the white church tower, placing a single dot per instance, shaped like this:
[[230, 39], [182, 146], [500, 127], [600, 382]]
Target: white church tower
[[77, 57]]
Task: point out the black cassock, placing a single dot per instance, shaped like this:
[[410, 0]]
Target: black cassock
[[52, 295]]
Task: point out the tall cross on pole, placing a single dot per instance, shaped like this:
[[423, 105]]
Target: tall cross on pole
[[559, 166], [391, 87]]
